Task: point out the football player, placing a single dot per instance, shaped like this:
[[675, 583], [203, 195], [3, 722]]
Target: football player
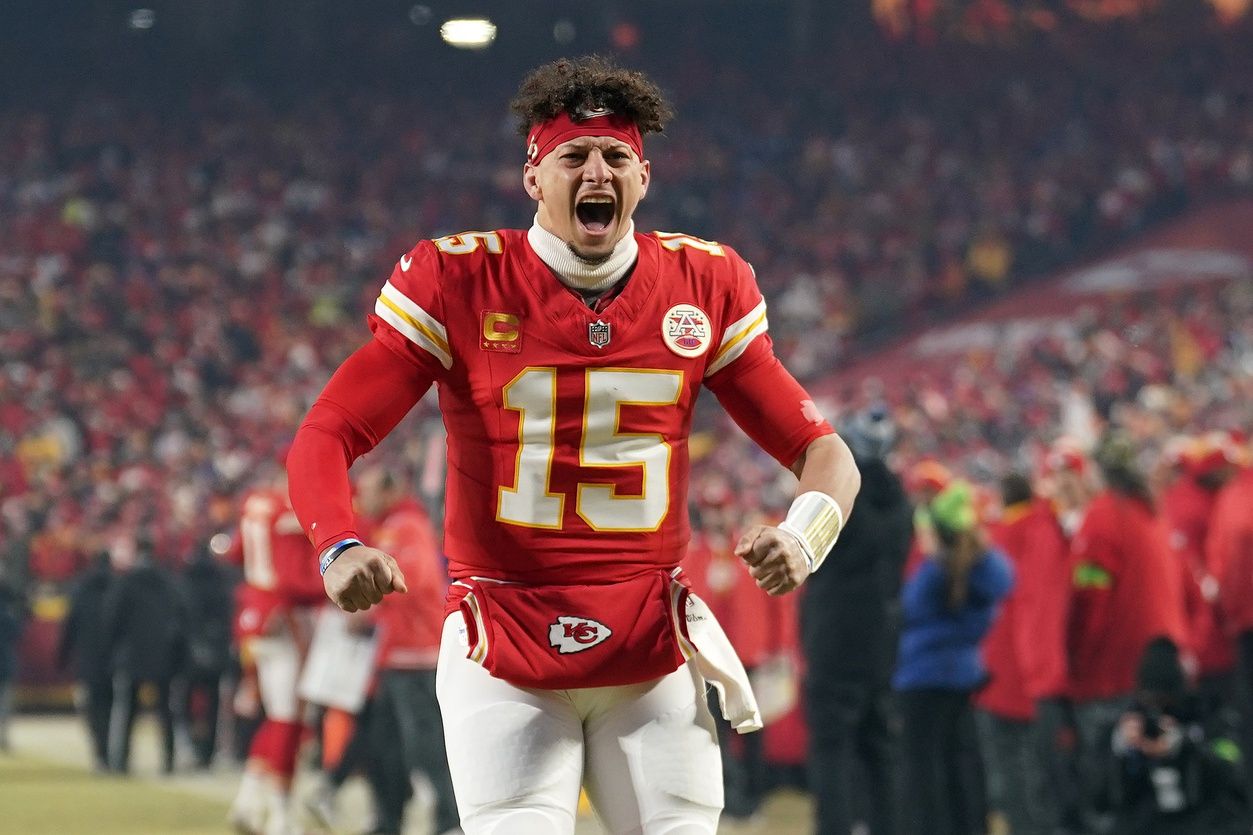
[[568, 358], [272, 625]]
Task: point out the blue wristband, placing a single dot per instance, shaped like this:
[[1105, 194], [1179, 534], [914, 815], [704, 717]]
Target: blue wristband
[[331, 554]]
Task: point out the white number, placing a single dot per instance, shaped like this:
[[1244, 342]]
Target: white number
[[533, 394], [467, 242], [530, 501], [674, 241], [608, 390], [254, 531]]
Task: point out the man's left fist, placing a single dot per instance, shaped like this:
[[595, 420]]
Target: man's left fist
[[774, 558]]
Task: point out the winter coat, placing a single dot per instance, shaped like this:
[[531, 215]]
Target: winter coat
[[1025, 651], [1127, 592], [146, 624], [939, 646], [849, 626], [1229, 551], [83, 635]]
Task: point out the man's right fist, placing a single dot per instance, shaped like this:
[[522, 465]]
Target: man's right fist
[[360, 576]]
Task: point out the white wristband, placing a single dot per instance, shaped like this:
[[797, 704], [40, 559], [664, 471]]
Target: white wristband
[[815, 520]]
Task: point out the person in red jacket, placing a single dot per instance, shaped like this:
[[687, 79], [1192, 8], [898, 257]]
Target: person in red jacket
[[1126, 592], [761, 628], [1229, 557], [1070, 483], [1188, 506], [1025, 654], [405, 708]]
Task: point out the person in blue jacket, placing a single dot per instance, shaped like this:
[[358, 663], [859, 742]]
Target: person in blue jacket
[[947, 606]]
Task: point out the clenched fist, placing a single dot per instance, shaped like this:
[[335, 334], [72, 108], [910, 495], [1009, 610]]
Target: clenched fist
[[774, 558], [360, 576]]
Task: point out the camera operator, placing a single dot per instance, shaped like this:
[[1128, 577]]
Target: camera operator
[[1169, 777]]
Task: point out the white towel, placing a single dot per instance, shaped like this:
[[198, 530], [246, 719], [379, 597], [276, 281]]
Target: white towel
[[715, 659]]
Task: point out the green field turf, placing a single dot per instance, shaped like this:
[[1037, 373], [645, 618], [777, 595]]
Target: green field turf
[[46, 788], [39, 798]]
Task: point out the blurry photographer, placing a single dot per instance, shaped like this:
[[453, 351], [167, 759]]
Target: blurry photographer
[[1168, 777], [848, 634]]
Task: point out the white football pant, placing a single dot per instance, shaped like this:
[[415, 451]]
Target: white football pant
[[647, 753], [278, 671]]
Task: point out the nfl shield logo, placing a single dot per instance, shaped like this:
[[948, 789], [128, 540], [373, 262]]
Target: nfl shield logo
[[598, 333]]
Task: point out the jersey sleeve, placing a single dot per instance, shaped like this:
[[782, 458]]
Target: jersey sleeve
[[751, 384], [408, 315], [744, 341]]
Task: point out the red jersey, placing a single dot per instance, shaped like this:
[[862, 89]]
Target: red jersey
[[410, 623], [567, 426], [277, 557]]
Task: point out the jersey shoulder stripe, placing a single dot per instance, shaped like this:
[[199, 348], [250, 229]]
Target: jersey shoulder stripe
[[737, 337], [414, 323]]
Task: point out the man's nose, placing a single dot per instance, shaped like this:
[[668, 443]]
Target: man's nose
[[596, 169]]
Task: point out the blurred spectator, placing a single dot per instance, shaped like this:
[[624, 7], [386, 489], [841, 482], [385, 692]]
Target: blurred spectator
[[145, 624], [760, 629], [1071, 483], [1170, 777], [208, 589], [12, 620], [1027, 778], [1229, 556], [406, 730], [848, 636], [1187, 506], [1127, 592], [948, 607], [85, 640]]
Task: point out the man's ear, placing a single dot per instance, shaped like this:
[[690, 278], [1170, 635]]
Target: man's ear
[[646, 173], [530, 181]]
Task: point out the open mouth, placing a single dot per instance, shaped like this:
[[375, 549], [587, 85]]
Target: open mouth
[[595, 214]]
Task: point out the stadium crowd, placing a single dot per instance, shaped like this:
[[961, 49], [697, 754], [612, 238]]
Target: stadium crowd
[[177, 285], [176, 282]]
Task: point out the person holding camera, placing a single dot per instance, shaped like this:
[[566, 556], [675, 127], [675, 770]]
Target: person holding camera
[[1169, 777]]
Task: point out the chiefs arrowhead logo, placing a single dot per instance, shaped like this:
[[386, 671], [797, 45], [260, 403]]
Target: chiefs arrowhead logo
[[570, 634]]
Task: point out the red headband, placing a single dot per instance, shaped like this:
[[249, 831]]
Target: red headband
[[561, 128]]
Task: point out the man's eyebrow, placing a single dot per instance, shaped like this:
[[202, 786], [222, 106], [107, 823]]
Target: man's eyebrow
[[585, 144]]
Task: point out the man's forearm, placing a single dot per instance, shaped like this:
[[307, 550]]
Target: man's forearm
[[828, 484], [827, 466]]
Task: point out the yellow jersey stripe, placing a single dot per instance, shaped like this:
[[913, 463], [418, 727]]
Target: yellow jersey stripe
[[731, 351], [413, 330]]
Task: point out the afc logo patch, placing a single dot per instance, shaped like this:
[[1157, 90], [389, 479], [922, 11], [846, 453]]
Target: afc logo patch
[[685, 329], [571, 634]]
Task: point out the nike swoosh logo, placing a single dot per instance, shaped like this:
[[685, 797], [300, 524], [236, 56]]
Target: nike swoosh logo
[[405, 261]]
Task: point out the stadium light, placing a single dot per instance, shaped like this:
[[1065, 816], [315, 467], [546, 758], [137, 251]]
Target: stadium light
[[142, 19], [564, 31], [468, 32]]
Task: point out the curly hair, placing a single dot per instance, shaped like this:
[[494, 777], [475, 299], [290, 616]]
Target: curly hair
[[588, 83]]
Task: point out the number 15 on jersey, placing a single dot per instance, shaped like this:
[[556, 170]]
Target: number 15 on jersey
[[529, 500]]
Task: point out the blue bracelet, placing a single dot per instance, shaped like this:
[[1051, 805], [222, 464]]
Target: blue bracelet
[[331, 554]]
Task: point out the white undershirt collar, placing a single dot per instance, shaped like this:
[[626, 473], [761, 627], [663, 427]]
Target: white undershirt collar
[[578, 274]]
